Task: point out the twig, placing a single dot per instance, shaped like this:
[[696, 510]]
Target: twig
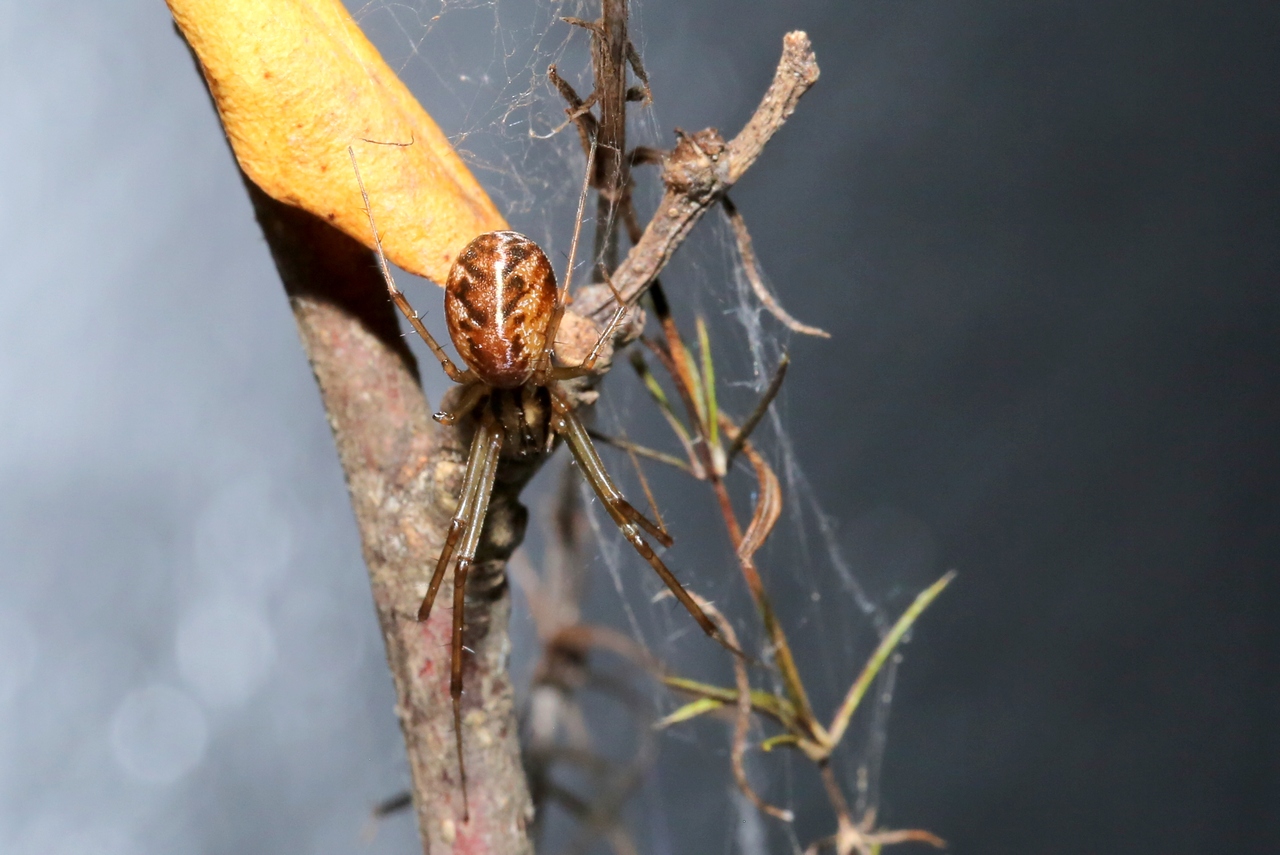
[[752, 271], [610, 50], [762, 407], [703, 167]]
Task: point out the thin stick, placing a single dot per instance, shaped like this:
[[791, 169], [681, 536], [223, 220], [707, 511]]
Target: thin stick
[[577, 223], [752, 270], [742, 719], [762, 407], [630, 447]]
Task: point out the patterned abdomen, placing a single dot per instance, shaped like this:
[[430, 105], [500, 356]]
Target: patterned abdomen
[[498, 302]]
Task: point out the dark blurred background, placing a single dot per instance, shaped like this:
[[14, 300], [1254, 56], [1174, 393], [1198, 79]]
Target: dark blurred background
[[1045, 239]]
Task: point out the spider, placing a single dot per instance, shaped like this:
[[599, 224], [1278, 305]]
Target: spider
[[503, 309]]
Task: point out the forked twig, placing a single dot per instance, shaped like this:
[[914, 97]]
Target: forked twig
[[702, 167], [695, 386]]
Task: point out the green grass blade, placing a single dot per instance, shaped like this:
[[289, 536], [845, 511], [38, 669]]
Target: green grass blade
[[693, 709], [887, 644], [659, 396], [781, 739], [709, 392], [779, 709]]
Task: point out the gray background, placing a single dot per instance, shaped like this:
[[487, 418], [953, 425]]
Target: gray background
[[1045, 238]]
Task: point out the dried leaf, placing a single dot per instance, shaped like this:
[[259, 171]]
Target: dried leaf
[[296, 82], [749, 267], [768, 506], [763, 518]]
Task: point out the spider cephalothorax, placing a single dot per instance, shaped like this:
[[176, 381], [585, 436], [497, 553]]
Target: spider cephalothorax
[[503, 310]]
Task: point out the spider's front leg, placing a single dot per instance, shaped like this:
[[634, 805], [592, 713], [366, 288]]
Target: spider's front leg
[[473, 503], [588, 364], [456, 374]]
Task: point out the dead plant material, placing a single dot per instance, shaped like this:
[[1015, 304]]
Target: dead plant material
[[703, 432], [752, 272]]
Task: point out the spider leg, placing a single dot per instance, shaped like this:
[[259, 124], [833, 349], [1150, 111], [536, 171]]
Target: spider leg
[[624, 515], [472, 483], [650, 527], [589, 364], [554, 326], [471, 396], [463, 537], [455, 373], [467, 554]]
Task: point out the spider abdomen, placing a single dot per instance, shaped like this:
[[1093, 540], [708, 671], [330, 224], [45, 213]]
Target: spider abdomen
[[499, 301]]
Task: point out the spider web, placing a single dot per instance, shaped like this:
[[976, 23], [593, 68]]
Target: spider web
[[480, 68]]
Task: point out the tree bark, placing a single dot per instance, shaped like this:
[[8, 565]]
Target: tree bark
[[403, 472]]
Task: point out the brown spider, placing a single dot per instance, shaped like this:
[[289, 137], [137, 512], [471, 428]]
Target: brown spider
[[503, 310]]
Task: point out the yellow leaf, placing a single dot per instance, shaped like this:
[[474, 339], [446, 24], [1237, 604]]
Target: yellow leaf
[[296, 82]]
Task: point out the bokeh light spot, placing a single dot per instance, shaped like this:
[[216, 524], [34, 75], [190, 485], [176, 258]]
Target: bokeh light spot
[[17, 655], [158, 734], [225, 651]]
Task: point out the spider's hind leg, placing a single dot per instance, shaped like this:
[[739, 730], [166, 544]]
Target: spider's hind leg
[[625, 516]]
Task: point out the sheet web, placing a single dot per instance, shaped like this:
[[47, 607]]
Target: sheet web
[[609, 781]]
